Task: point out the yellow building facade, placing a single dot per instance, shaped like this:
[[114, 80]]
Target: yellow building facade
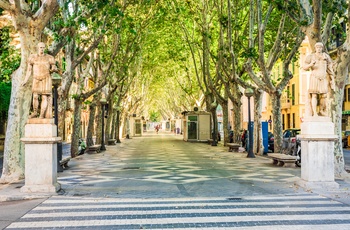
[[294, 96]]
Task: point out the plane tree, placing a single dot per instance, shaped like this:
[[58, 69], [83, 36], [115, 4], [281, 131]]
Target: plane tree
[[325, 21], [267, 45], [29, 20]]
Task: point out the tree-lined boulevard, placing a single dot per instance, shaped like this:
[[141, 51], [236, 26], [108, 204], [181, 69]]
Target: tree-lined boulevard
[[120, 66], [174, 184]]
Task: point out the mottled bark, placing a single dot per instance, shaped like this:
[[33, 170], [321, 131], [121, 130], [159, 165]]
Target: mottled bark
[[258, 138], [113, 125], [29, 26], [90, 130], [76, 132], [225, 122], [237, 122], [214, 126], [277, 120], [118, 124], [341, 70], [67, 80], [108, 125], [98, 119]]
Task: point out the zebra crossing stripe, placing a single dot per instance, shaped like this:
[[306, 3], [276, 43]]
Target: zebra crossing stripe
[[252, 211], [307, 212]]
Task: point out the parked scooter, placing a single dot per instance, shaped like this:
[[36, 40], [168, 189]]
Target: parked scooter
[[82, 146], [293, 147], [297, 152]]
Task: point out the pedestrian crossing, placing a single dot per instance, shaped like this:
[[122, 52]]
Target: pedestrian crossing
[[303, 211]]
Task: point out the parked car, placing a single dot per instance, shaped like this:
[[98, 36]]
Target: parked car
[[289, 138], [345, 135], [271, 142]]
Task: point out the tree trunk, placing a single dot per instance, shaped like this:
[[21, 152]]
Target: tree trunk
[[258, 138], [225, 122], [113, 126], [76, 132], [237, 122], [91, 131], [277, 120], [98, 119], [110, 114], [30, 32], [13, 165], [117, 127], [336, 108], [215, 126], [341, 74]]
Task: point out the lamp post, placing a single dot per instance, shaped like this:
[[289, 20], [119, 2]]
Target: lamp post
[[56, 81], [249, 93], [103, 102]]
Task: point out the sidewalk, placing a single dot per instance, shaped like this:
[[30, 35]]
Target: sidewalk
[[168, 167], [159, 181]]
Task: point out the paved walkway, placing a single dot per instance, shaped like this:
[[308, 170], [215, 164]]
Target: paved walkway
[[161, 182]]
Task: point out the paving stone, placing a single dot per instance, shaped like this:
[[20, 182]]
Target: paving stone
[[172, 184]]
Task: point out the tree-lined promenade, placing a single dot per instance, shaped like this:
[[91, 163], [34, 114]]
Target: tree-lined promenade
[[159, 58]]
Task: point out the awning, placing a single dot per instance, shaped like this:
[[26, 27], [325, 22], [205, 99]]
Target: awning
[[346, 112]]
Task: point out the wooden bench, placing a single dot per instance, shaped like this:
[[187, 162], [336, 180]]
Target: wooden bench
[[64, 162], [282, 159], [233, 147], [93, 149], [210, 141]]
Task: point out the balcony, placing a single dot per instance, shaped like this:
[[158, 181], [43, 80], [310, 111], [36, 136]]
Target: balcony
[[285, 104]]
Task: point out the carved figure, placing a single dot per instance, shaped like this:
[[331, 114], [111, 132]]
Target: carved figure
[[41, 66], [322, 76]]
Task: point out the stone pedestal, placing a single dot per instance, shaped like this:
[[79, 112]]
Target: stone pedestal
[[317, 156], [40, 141]]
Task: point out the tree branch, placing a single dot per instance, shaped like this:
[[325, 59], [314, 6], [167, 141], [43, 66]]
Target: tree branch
[[327, 27], [45, 13], [5, 5], [276, 48]]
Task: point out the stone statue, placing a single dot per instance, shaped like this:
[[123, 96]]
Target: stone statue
[[322, 76], [41, 65]]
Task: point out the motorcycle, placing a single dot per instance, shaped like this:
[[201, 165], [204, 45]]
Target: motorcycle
[[293, 147], [297, 152]]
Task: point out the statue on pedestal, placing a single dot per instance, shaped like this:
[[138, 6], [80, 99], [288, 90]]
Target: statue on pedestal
[[322, 76], [41, 65]]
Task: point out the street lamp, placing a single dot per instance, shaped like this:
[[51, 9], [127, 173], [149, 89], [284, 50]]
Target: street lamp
[[56, 81], [249, 93], [103, 102]]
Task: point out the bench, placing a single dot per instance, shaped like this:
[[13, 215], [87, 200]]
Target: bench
[[233, 147], [111, 141], [64, 162], [210, 141], [282, 159], [93, 149]]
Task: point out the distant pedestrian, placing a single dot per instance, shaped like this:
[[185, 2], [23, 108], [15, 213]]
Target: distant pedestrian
[[244, 138]]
